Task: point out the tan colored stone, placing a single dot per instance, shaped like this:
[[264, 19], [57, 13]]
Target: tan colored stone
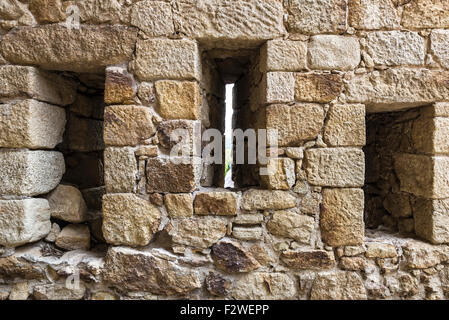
[[216, 203], [335, 167], [431, 220], [167, 59], [102, 295], [247, 234], [23, 221], [54, 231], [331, 52], [101, 12], [316, 87], [198, 232], [135, 270], [296, 123], [31, 124], [430, 135], [231, 257], [55, 47], [342, 217], [127, 125], [291, 225], [119, 87], [265, 286], [247, 21], [423, 175], [322, 16], [56, 291], [255, 199], [278, 87], [248, 219], [412, 87], [74, 237], [380, 250], [345, 125], [310, 204], [373, 14], [308, 259], [175, 174], [284, 55], [280, 174], [423, 14], [11, 10], [120, 170], [353, 263], [180, 133], [17, 267], [421, 255], [129, 220], [178, 100], [295, 153], [67, 203], [179, 205], [438, 41], [338, 285], [30, 173], [147, 151], [155, 18], [19, 291], [394, 48], [29, 82], [46, 11]]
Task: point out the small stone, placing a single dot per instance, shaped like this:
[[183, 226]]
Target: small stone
[[295, 153], [58, 292], [280, 174], [291, 225], [345, 125], [247, 234], [255, 199], [215, 203], [216, 285], [231, 257], [179, 205], [74, 237], [338, 285], [19, 291], [264, 286], [54, 232], [308, 259], [102, 295], [147, 151], [119, 87], [180, 134], [67, 203], [439, 40], [157, 199], [380, 250], [330, 52], [249, 219], [353, 263], [310, 204], [120, 170]]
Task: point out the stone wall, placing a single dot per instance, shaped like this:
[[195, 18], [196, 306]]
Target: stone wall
[[331, 76]]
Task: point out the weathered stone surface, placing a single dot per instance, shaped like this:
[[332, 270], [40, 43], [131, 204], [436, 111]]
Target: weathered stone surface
[[249, 219], [331, 52], [67, 203], [423, 175], [380, 250], [265, 286], [247, 234], [426, 14], [119, 87], [84, 135], [309, 16], [231, 257], [179, 205], [310, 204], [46, 11], [10, 10], [421, 255], [175, 174], [284, 55], [394, 48], [430, 135], [29, 82], [342, 217], [30, 173], [167, 59], [353, 263], [58, 292], [431, 220], [295, 123], [267, 200], [120, 170], [178, 100], [438, 42], [308, 259], [19, 291], [23, 221], [180, 133], [31, 124], [396, 89], [316, 87], [54, 231], [201, 232], [230, 20], [155, 18], [291, 225], [74, 237], [127, 125], [373, 14], [217, 285], [280, 174], [100, 12], [278, 87], [135, 270], [216, 203], [345, 125], [335, 167], [338, 285], [129, 220], [55, 47]]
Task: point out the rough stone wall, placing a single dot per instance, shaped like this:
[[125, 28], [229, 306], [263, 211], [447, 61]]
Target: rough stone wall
[[313, 70]]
